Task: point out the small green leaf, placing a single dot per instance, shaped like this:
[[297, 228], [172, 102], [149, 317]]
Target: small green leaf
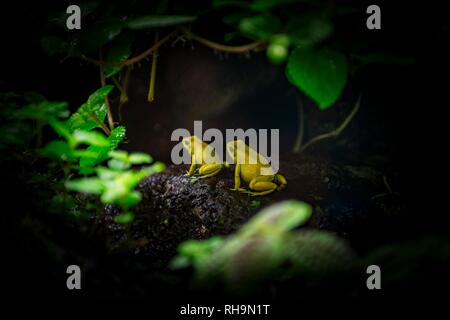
[[86, 185], [87, 163], [90, 137], [119, 155], [106, 174], [95, 106], [321, 74], [261, 26], [269, 4], [145, 22], [131, 199], [140, 158], [278, 218], [124, 218], [386, 58], [118, 165], [34, 97], [58, 150]]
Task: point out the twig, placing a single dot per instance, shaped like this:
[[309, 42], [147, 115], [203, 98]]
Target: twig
[[100, 123], [301, 129], [254, 46], [151, 90], [133, 60], [118, 85], [336, 132], [108, 106]]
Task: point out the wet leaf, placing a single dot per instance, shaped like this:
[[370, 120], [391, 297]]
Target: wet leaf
[[86, 185], [145, 22], [261, 26]]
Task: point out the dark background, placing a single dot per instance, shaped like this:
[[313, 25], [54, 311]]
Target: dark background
[[409, 103]]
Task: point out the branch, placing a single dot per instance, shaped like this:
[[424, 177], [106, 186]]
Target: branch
[[133, 60], [254, 46], [108, 106], [151, 90], [336, 132], [301, 126]]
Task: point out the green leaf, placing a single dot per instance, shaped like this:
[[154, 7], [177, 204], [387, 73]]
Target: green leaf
[[281, 217], [43, 111], [106, 174], [124, 218], [87, 163], [118, 52], [95, 106], [261, 26], [131, 199], [321, 74], [86, 185], [307, 30], [58, 150], [139, 158], [269, 4], [145, 22], [119, 155], [93, 37], [62, 129], [34, 97], [90, 137], [118, 165]]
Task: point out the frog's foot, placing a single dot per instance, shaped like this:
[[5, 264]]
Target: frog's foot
[[281, 181]]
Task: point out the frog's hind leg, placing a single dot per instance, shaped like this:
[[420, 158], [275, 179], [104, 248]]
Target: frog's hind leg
[[209, 170], [281, 180], [262, 185]]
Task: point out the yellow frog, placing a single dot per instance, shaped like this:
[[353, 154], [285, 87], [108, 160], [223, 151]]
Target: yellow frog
[[203, 156], [258, 183]]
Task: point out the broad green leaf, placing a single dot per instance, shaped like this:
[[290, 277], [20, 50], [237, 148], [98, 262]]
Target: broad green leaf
[[116, 136], [86, 185], [118, 52], [261, 26], [320, 74], [124, 218], [58, 150], [157, 167], [139, 158], [92, 138], [280, 217], [145, 22]]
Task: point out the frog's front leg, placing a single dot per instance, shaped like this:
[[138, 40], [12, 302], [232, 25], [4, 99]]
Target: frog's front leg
[[209, 170], [262, 185], [191, 170], [237, 177]]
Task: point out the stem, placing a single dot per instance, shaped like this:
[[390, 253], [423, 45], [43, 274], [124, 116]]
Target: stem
[[301, 126], [108, 106], [133, 60], [255, 46], [118, 85], [100, 123], [336, 132], [151, 90]]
